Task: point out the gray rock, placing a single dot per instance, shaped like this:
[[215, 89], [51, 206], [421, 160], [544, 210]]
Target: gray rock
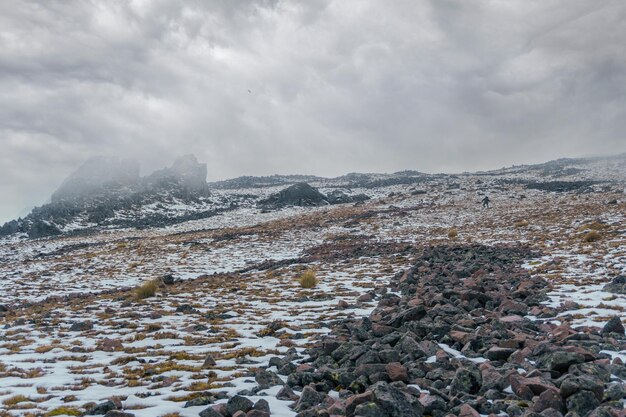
[[617, 285], [238, 403], [466, 380], [267, 379], [614, 325], [198, 401], [43, 228], [582, 402], [262, 405], [560, 361], [81, 326], [300, 194], [116, 413], [571, 384], [615, 392], [393, 402], [286, 394], [210, 412], [102, 408], [309, 398], [368, 410]]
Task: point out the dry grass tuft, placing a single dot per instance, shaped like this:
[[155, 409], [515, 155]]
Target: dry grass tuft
[[521, 223], [592, 236], [453, 233], [308, 279], [16, 399], [147, 289], [64, 411]]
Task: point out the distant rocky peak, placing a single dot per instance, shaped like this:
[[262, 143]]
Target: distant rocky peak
[[186, 172], [191, 172], [95, 173]]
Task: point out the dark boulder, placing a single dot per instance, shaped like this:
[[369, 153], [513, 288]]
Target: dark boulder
[[614, 325], [300, 194]]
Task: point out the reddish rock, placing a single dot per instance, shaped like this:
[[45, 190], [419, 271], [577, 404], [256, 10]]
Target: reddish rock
[[510, 343], [496, 353], [527, 387], [468, 411], [548, 399], [365, 298], [442, 356], [380, 330], [305, 367], [337, 408], [220, 408], [397, 372], [520, 356], [513, 318], [459, 336], [257, 413], [352, 402]]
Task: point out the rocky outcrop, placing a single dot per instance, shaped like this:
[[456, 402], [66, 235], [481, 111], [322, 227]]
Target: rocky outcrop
[[300, 194], [185, 173], [458, 331], [96, 173], [102, 188], [304, 195]]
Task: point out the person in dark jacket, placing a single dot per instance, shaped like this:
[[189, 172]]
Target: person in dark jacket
[[486, 202]]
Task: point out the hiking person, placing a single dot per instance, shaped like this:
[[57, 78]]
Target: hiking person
[[486, 202]]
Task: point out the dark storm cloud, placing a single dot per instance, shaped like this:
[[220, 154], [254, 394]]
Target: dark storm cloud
[[335, 86]]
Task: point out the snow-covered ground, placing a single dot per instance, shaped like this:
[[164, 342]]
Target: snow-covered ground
[[151, 355]]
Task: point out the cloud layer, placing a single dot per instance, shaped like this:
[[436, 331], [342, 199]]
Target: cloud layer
[[322, 86]]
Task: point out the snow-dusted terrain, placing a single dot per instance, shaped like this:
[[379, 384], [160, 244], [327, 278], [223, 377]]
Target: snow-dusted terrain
[[237, 298]]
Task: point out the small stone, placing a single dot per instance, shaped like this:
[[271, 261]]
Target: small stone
[[466, 380], [286, 394], [81, 326], [209, 362], [355, 400], [548, 399], [102, 408], [309, 398], [262, 405], [496, 353], [397, 372], [117, 413], [368, 410], [210, 412], [199, 401], [109, 345]]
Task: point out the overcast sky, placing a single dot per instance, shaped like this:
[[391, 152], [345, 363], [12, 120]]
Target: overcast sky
[[318, 86]]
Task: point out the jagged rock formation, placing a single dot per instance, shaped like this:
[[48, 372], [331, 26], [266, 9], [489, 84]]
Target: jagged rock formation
[[95, 174], [109, 191], [186, 173]]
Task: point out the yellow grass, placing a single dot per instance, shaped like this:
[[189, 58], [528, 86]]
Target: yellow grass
[[308, 279]]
